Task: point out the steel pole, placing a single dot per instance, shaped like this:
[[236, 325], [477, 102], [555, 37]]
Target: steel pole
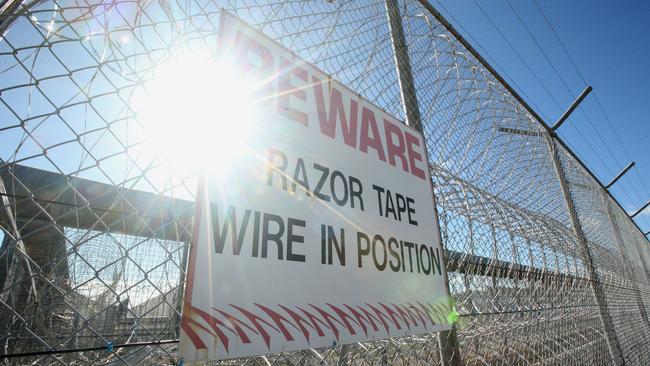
[[447, 340], [402, 61], [640, 210], [628, 265], [573, 106], [596, 285], [459, 37], [619, 175]]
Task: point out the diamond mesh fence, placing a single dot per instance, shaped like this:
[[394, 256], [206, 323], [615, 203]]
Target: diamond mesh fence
[[544, 266]]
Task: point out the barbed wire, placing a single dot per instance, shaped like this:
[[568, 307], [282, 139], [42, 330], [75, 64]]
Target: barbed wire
[[96, 226]]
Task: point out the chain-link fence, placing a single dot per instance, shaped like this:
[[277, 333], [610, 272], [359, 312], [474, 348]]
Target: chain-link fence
[[544, 266]]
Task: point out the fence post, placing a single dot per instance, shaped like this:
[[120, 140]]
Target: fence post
[[621, 246], [403, 63], [596, 286], [447, 340], [181, 287], [343, 355], [643, 261]]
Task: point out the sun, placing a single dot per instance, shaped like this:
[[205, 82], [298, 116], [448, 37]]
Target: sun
[[196, 112]]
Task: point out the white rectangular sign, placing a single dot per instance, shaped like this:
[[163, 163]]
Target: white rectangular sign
[[320, 230]]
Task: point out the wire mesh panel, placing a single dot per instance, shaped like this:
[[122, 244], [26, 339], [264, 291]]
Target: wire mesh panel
[[634, 244], [96, 223], [613, 260], [520, 283]]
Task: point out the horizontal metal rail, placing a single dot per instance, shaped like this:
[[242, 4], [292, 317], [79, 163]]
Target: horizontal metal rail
[[450, 28], [43, 196]]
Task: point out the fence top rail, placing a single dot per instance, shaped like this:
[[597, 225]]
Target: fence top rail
[[450, 28], [7, 6]]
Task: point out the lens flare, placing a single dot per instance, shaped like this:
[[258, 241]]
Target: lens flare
[[196, 112]]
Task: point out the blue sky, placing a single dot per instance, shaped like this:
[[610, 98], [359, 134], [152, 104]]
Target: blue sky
[[608, 48]]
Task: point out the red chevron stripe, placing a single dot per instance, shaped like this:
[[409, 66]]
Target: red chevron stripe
[[349, 319]]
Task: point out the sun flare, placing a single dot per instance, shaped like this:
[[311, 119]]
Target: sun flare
[[196, 111]]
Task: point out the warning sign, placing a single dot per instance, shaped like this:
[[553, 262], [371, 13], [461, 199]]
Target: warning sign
[[321, 230]]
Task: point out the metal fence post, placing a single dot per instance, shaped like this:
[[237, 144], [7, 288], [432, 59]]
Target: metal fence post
[[643, 261], [403, 63], [343, 355], [181, 287], [596, 285], [621, 245], [447, 340]]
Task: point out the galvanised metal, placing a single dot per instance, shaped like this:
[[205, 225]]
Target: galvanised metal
[[95, 230]]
